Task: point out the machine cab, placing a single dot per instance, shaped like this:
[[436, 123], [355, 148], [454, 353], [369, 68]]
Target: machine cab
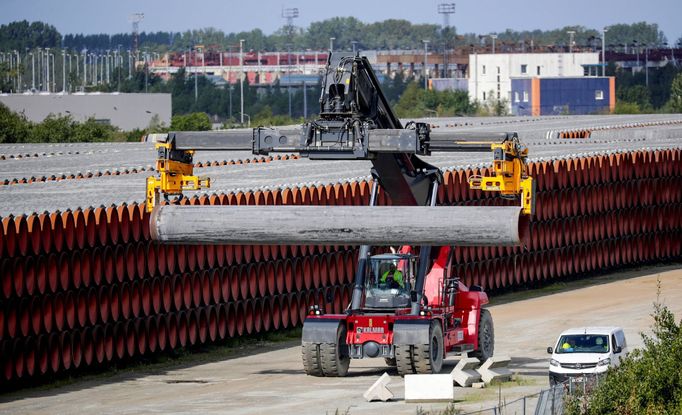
[[389, 280]]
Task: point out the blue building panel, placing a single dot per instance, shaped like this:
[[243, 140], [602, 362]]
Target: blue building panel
[[574, 95], [522, 94]]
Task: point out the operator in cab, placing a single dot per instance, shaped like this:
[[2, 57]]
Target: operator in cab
[[395, 274]]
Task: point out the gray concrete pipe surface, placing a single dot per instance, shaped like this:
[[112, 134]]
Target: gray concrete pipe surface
[[339, 225]]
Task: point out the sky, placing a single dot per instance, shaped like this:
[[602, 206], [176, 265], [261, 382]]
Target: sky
[[477, 16]]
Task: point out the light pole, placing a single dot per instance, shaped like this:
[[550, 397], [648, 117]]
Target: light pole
[[33, 72], [493, 37], [426, 52], [85, 69], [646, 65], [241, 79], [570, 45], [47, 51], [63, 71], [446, 9], [331, 44], [247, 116], [19, 70], [603, 51]]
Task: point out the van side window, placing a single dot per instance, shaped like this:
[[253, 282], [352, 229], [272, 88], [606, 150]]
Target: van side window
[[613, 341]]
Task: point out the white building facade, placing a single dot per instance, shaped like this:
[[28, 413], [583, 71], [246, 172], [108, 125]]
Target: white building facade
[[490, 74]]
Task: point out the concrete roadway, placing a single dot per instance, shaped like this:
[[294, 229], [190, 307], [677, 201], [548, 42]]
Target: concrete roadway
[[269, 378]]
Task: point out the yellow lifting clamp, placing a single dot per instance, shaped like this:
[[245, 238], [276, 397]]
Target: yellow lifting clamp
[[176, 174], [509, 175]]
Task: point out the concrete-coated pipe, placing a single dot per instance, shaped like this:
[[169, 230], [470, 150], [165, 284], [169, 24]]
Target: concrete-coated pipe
[[156, 296], [135, 299], [192, 327], [266, 314], [205, 281], [161, 263], [212, 321], [70, 310], [276, 312], [180, 256], [211, 255], [152, 334], [109, 342], [161, 332], [186, 290], [98, 342], [271, 277], [76, 348], [195, 284], [178, 294], [293, 309], [257, 315], [202, 325], [261, 280], [221, 315], [200, 252], [171, 321], [231, 321], [351, 225], [279, 270], [131, 341], [146, 297], [81, 298]]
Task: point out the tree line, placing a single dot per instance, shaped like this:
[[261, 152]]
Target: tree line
[[387, 34]]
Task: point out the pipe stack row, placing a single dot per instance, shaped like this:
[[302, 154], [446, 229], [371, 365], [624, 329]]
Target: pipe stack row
[[132, 170], [88, 287]]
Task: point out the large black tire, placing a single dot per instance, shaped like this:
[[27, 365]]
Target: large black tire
[[311, 359], [422, 358], [486, 337], [334, 357], [403, 359]]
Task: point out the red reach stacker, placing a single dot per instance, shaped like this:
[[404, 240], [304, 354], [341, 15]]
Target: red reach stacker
[[407, 305]]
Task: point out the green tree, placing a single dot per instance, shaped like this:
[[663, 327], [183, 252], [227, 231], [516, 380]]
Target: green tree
[[676, 94], [53, 129], [14, 128], [636, 94], [196, 121], [92, 131], [415, 102], [23, 35]]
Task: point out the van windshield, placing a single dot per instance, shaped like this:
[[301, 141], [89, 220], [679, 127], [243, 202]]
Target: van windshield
[[583, 343]]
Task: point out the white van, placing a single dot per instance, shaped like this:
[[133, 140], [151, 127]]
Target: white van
[[585, 351]]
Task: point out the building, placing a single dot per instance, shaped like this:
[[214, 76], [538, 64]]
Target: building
[[566, 95], [490, 75], [125, 111]]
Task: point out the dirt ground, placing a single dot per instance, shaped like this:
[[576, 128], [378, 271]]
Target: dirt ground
[[272, 381]]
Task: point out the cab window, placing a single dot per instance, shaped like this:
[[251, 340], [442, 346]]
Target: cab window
[[583, 343]]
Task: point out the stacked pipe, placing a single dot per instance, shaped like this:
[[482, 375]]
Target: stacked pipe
[[133, 170], [88, 287]]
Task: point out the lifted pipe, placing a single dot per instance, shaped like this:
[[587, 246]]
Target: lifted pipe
[[339, 225]]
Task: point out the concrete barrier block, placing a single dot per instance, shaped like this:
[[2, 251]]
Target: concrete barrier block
[[495, 369], [379, 390], [429, 388], [464, 373]]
